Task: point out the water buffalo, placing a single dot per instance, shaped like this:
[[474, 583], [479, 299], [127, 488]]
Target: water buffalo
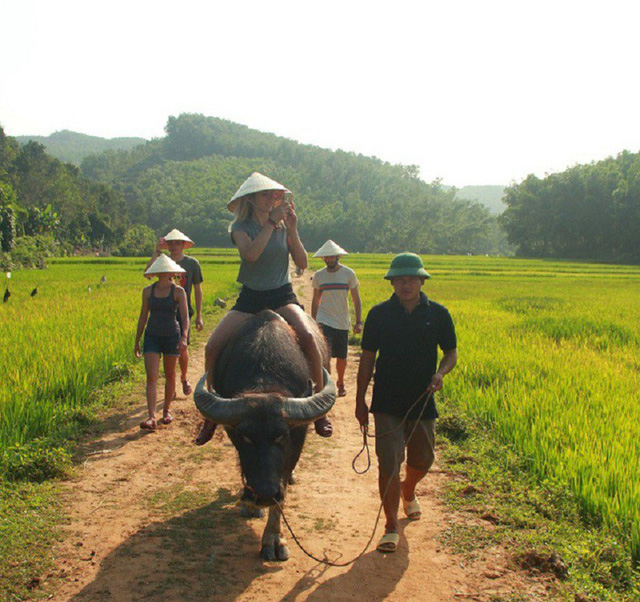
[[264, 399]]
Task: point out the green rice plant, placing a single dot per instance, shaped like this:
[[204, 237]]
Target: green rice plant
[[75, 334], [549, 358]]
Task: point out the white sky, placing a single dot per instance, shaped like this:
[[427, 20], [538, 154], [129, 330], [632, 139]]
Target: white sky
[[474, 92]]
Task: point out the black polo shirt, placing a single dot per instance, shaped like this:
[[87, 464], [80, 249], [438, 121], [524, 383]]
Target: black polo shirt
[[407, 346]]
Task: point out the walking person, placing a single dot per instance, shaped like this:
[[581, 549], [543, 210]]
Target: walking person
[[177, 242], [265, 231], [405, 332], [164, 337], [330, 306]]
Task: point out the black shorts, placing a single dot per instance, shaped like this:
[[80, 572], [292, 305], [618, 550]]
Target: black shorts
[[338, 341], [162, 345], [251, 301]]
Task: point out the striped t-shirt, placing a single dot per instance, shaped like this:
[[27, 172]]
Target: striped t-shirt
[[334, 302]]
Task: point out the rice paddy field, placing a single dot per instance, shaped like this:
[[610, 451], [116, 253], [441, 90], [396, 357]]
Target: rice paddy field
[[76, 334], [549, 357]]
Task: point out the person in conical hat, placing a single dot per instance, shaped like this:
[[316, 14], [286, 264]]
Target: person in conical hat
[[330, 306], [265, 231], [164, 336], [176, 242]]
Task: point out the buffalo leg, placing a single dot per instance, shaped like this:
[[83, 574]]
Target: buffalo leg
[[274, 545]]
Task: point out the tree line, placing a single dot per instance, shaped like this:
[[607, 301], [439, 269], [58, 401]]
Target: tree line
[[586, 212], [47, 206], [185, 179]]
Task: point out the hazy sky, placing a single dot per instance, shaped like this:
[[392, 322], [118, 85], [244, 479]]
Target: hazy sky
[[472, 92]]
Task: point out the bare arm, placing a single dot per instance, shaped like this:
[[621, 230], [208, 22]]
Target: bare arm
[[315, 302], [357, 307], [365, 372], [142, 320], [447, 363], [250, 250], [184, 317], [197, 294], [296, 248]]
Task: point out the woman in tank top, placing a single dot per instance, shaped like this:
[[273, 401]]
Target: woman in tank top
[[265, 230], [162, 335]]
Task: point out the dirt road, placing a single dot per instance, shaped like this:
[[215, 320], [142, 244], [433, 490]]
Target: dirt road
[[153, 517]]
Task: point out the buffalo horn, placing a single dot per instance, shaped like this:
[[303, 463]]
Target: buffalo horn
[[302, 410], [218, 409]]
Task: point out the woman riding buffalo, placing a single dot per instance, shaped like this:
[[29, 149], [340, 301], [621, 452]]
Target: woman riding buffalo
[[265, 231]]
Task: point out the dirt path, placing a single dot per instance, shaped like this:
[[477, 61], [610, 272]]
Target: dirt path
[[153, 517]]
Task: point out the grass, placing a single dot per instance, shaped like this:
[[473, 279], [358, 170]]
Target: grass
[[546, 389]]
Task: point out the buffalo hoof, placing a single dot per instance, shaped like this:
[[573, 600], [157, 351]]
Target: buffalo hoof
[[247, 512], [276, 552], [293, 479]]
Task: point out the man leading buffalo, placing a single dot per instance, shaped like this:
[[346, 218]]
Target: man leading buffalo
[[404, 332]]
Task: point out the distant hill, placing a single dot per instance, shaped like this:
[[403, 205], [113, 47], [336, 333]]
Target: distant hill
[[185, 179], [489, 196], [72, 147]]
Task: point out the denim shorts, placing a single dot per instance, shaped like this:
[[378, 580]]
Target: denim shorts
[[162, 345], [251, 301]]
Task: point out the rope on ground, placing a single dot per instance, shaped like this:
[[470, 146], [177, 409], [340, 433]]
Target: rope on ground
[[365, 445]]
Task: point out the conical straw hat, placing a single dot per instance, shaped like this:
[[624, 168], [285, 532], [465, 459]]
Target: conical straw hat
[[256, 182], [164, 265], [330, 249], [177, 235]]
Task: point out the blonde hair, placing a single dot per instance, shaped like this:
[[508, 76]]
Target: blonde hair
[[243, 211]]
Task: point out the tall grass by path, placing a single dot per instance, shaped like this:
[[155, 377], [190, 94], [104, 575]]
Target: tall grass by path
[[74, 335], [550, 358]]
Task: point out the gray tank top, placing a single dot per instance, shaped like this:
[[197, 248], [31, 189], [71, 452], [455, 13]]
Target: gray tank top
[[162, 319], [271, 270]]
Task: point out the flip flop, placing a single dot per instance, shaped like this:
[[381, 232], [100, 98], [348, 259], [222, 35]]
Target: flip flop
[[148, 425], [186, 387], [167, 418], [388, 543], [342, 392], [412, 508]]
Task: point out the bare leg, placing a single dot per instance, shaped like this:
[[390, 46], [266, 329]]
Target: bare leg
[[152, 367], [218, 339], [169, 386], [341, 366], [184, 367], [299, 321], [412, 478], [391, 501]]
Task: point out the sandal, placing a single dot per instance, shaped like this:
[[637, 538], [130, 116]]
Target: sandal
[[412, 508], [167, 418], [323, 427], [148, 425], [206, 432], [186, 387], [388, 543], [342, 392]]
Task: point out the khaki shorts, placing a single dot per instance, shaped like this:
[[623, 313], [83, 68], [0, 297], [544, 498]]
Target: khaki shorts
[[390, 447]]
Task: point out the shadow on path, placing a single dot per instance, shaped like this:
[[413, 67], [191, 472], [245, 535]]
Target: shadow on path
[[207, 553]]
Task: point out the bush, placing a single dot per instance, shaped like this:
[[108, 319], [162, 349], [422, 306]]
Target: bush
[[139, 241], [30, 252], [35, 461]]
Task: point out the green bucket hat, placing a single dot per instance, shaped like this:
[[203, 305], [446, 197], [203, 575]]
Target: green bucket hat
[[406, 264]]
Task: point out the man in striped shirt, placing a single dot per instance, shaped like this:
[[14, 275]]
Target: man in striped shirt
[[330, 305]]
